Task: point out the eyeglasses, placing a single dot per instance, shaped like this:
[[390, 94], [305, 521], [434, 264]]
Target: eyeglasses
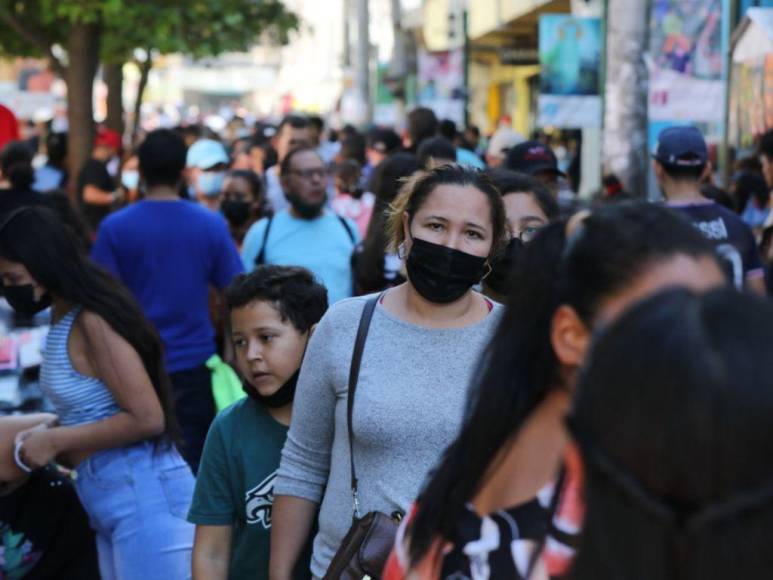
[[309, 174], [529, 233]]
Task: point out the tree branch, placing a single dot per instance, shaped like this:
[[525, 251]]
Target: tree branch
[[34, 38]]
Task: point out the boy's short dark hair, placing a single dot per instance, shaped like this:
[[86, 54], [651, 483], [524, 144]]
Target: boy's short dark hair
[[162, 158], [293, 290]]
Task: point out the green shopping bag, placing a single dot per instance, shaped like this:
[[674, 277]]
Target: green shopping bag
[[226, 384]]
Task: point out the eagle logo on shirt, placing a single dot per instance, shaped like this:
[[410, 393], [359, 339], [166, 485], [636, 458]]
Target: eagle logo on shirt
[[259, 501]]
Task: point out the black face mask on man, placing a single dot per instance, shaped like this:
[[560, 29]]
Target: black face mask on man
[[502, 267], [236, 212], [284, 395], [440, 274], [22, 300]]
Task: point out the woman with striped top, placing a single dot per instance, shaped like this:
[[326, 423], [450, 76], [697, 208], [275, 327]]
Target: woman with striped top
[[104, 375]]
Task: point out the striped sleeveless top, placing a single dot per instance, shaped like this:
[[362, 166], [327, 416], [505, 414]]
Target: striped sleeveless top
[[76, 398]]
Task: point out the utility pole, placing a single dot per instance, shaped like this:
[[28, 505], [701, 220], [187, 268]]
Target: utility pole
[[363, 60], [347, 56], [625, 115]]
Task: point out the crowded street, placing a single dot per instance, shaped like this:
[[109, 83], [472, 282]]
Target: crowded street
[[386, 289]]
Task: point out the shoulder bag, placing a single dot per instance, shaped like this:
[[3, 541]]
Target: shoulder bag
[[365, 548]]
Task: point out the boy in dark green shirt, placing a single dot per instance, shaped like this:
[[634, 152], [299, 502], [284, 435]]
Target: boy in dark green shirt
[[272, 314]]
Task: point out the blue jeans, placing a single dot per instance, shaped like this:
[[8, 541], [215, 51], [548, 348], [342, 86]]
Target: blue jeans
[[137, 498]]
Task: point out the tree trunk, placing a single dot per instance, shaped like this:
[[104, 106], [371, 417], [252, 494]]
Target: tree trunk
[[113, 76], [144, 67], [625, 119], [83, 55]]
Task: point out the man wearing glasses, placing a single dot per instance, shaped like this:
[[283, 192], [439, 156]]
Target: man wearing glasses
[[305, 234]]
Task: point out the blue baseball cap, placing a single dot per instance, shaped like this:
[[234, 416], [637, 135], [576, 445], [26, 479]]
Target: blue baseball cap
[[206, 153], [682, 147]]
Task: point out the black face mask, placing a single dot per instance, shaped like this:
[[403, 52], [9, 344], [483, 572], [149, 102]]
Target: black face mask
[[236, 212], [22, 300], [283, 396], [440, 274], [502, 267]]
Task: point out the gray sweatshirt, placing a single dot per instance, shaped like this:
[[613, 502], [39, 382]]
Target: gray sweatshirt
[[408, 407]]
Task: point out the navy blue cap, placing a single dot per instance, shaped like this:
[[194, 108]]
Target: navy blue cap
[[532, 157], [682, 147]]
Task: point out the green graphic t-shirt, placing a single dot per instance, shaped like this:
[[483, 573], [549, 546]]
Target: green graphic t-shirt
[[235, 485]]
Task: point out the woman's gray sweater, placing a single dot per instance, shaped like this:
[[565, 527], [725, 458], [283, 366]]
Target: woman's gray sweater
[[408, 407]]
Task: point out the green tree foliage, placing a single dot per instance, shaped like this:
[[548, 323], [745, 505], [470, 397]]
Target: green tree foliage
[[74, 35]]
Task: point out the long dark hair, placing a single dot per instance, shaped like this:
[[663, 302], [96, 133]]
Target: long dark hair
[[608, 252], [55, 258], [673, 422], [385, 183], [16, 164]]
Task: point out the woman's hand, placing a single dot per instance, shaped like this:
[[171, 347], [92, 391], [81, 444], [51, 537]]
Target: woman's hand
[[37, 447]]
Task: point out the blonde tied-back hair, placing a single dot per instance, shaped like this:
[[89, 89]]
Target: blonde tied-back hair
[[418, 187]]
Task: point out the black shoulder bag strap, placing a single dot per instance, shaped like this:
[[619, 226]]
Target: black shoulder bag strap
[[354, 373], [349, 232], [261, 259]]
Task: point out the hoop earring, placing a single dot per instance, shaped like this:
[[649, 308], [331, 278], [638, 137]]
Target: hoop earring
[[490, 269], [401, 251]]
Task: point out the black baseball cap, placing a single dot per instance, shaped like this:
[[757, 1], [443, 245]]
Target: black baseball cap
[[532, 157], [682, 147]]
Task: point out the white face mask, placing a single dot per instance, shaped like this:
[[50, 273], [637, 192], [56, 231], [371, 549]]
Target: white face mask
[[130, 178]]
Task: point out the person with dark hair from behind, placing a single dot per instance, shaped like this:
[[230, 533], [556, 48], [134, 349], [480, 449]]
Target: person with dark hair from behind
[[44, 531], [273, 312], [53, 175], [380, 144], [435, 151], [375, 267], [170, 253], [672, 422], [293, 132], [103, 372], [18, 175], [306, 234], [463, 154], [680, 161], [243, 202], [421, 124], [16, 167], [529, 206], [491, 502]]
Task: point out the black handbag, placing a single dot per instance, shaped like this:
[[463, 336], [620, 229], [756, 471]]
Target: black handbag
[[366, 547]]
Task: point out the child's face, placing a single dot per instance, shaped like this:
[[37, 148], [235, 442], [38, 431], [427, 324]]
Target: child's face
[[268, 349]]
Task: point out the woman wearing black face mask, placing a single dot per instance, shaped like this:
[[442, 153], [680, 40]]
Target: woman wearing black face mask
[[422, 346], [529, 206], [243, 203]]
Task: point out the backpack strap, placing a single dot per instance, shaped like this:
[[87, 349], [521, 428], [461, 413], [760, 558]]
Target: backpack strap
[[261, 257], [354, 373]]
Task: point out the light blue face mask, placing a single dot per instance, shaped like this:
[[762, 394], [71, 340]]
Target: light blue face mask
[[210, 183], [130, 179]]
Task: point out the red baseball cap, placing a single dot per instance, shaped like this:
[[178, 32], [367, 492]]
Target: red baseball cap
[[108, 138]]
